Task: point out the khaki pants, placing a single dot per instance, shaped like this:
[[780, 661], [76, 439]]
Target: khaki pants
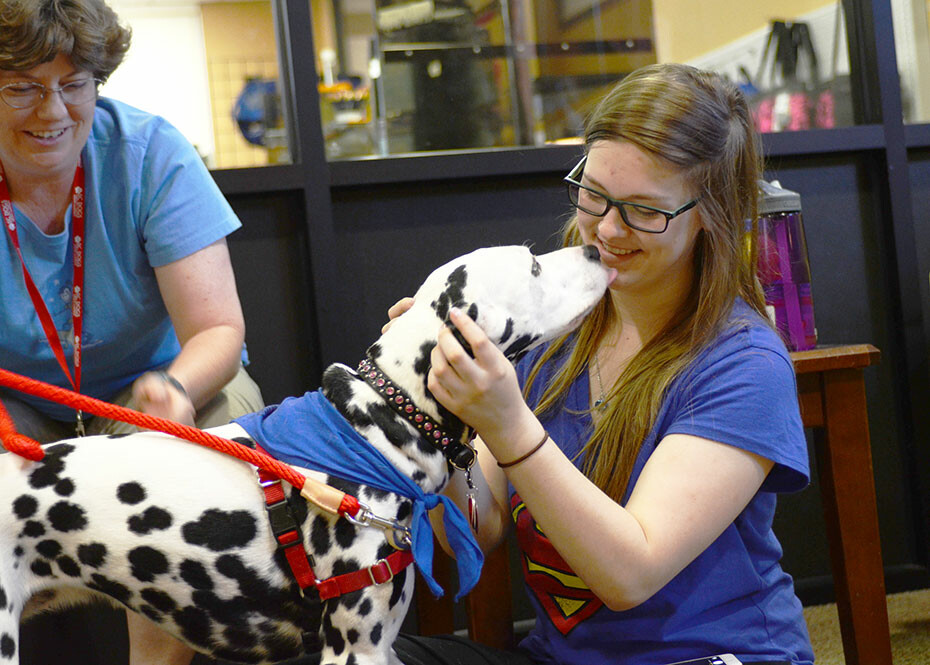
[[237, 398]]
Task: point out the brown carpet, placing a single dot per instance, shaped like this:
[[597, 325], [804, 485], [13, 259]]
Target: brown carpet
[[908, 618]]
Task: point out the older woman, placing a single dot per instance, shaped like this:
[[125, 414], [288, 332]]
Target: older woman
[[114, 269]]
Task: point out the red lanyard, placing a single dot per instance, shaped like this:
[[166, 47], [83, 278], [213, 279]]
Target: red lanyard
[[77, 290]]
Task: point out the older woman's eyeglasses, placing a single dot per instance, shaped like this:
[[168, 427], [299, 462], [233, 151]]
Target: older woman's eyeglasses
[[636, 215], [26, 94]]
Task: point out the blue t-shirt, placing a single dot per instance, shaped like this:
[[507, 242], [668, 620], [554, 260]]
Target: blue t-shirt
[[149, 201], [734, 597]]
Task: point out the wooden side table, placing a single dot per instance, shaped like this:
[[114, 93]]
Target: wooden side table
[[832, 395]]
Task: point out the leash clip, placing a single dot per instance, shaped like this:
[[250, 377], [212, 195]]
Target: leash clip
[[364, 517], [471, 495], [79, 423]]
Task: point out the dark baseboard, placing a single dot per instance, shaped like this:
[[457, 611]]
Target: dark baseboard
[[906, 577]]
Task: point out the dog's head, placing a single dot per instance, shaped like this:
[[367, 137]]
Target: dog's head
[[519, 300]]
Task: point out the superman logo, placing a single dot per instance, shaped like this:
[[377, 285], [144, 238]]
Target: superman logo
[[566, 600]]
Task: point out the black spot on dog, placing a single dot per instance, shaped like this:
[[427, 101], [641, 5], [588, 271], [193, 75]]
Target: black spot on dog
[[147, 563], [398, 590], [93, 554], [453, 293], [375, 635], [519, 345], [333, 636], [158, 599], [404, 510], [535, 269], [68, 566], [351, 660], [352, 636], [49, 548], [65, 516], [110, 588], [118, 436], [33, 529], [41, 568], [2, 599], [319, 535], [244, 441], [25, 506], [239, 637], [374, 351], [508, 331], [473, 311], [130, 493], [219, 530], [151, 613], [232, 612], [153, 519], [345, 533], [194, 624], [64, 487], [418, 476], [194, 573], [47, 472], [18, 551], [7, 646]]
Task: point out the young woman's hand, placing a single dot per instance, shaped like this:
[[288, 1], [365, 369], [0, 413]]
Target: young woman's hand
[[396, 310], [483, 391]]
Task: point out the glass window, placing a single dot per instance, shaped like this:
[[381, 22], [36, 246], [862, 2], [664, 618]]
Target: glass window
[[912, 46], [402, 76], [217, 82]]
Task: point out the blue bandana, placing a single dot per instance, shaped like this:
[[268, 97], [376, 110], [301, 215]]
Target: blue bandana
[[309, 432]]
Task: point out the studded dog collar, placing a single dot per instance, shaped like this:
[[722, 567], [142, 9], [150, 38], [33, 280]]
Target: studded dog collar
[[457, 450]]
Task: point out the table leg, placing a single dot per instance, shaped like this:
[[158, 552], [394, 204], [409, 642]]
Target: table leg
[[848, 487]]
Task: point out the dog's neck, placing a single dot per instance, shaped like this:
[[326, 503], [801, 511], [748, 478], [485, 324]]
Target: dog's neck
[[402, 356]]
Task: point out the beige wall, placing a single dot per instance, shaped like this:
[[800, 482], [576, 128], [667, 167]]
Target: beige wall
[[240, 43], [686, 29]]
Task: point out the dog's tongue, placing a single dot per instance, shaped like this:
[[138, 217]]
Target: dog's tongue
[[611, 276]]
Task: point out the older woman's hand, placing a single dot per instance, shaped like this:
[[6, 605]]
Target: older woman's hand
[[156, 395]]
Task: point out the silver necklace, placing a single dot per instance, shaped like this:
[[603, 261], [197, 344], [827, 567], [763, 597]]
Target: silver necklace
[[600, 402]]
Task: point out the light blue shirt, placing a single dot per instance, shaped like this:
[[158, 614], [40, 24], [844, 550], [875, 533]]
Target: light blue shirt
[[149, 201]]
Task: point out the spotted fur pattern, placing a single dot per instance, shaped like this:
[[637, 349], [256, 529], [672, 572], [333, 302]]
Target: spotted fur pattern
[[178, 532]]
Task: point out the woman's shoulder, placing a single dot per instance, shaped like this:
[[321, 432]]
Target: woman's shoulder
[[118, 125], [745, 333]]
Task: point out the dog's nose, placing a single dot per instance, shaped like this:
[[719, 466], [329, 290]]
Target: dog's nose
[[590, 252]]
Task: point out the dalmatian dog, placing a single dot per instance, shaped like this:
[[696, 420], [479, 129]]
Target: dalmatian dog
[[179, 532]]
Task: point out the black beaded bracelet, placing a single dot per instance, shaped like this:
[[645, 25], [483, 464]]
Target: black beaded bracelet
[[173, 382], [522, 458]]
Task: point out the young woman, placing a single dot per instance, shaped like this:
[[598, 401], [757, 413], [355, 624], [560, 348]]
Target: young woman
[[639, 458]]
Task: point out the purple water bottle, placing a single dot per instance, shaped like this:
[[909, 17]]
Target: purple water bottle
[[784, 269]]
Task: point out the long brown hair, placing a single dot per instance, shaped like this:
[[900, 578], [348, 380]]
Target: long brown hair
[[701, 123], [33, 32]]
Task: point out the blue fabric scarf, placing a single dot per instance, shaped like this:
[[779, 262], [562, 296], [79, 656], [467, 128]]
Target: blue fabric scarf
[[309, 432]]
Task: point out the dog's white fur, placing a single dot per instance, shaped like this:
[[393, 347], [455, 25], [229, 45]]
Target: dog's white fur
[[178, 532]]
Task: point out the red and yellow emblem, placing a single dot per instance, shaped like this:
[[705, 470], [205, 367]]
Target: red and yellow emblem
[[565, 598]]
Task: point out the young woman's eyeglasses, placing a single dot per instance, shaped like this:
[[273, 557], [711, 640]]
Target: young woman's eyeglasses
[[636, 215], [26, 94]]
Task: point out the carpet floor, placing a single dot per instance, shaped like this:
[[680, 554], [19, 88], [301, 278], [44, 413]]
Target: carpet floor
[[908, 618]]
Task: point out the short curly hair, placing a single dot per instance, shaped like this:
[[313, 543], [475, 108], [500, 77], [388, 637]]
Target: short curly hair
[[33, 32]]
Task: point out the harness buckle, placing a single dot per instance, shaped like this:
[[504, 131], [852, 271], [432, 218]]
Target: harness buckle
[[377, 565]]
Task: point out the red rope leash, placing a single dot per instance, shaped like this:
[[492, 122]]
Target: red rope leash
[[324, 496]]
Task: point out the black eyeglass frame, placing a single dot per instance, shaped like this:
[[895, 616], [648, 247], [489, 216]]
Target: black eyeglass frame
[[573, 180]]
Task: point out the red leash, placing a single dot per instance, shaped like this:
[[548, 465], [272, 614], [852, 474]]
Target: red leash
[[324, 496]]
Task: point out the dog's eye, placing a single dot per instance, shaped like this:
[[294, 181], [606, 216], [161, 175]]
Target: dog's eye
[[535, 269]]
